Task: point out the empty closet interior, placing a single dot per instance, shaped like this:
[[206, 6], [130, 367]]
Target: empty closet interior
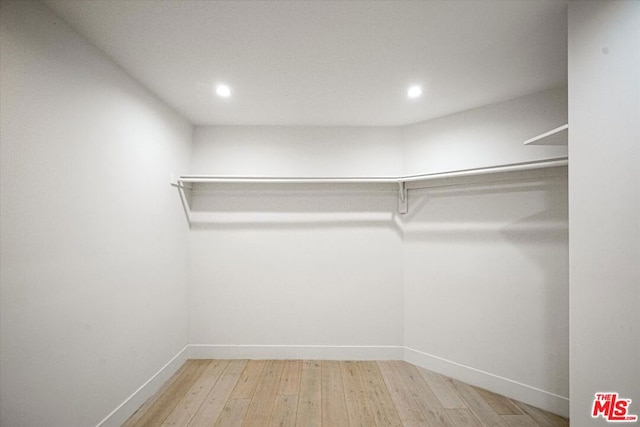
[[138, 232]]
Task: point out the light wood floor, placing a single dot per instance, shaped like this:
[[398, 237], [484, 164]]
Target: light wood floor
[[307, 393]]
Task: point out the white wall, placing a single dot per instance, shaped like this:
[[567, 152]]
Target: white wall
[[93, 238], [486, 284], [297, 266], [486, 136], [297, 151], [604, 202], [486, 264]]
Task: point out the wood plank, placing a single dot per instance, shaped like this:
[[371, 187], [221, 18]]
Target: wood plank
[[189, 404], [500, 404], [382, 405], [442, 389], [463, 418], [249, 379], [149, 402], [358, 408], [333, 394], [311, 364], [264, 397], [476, 404], [334, 406], [518, 421], [408, 409], [309, 412], [163, 406], [216, 400], [430, 406], [290, 381], [542, 418], [233, 413], [284, 411]]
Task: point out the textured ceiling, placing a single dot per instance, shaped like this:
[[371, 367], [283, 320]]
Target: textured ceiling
[[328, 63]]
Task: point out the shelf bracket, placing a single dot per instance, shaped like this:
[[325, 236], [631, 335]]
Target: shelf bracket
[[403, 197], [184, 197]]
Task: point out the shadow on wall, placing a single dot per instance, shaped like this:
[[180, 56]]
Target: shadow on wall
[[487, 263], [544, 238], [269, 206], [478, 221]]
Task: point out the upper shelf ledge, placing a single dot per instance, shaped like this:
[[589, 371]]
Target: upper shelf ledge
[[184, 182], [510, 167], [557, 136]]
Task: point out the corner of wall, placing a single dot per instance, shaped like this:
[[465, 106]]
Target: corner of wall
[[159, 380]]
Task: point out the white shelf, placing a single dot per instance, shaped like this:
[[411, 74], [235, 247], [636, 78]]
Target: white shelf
[[557, 136], [185, 182]]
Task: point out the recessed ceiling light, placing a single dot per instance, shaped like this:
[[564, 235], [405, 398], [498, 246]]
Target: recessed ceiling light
[[223, 91], [414, 92]]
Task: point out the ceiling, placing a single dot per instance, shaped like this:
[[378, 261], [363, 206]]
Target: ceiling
[[328, 63]]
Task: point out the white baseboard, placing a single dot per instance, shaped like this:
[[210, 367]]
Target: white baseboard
[[118, 416], [533, 396], [320, 352], [522, 392]]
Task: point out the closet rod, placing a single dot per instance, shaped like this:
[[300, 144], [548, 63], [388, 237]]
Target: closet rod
[[538, 164], [510, 167]]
